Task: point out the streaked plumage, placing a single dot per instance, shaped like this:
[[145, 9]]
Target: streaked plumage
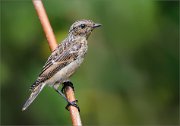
[[65, 59]]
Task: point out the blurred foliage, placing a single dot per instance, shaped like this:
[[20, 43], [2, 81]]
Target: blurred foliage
[[130, 75]]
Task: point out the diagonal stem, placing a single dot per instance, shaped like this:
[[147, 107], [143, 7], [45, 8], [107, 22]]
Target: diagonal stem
[[45, 24], [74, 113]]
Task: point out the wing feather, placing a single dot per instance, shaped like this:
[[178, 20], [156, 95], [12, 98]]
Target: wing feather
[[57, 60]]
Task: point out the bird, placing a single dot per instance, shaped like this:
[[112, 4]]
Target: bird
[[64, 60]]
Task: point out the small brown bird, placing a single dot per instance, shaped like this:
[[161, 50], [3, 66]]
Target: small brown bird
[[64, 60]]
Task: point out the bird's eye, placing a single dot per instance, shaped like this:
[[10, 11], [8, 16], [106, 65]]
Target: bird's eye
[[82, 26]]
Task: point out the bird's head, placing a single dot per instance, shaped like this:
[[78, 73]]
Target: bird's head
[[83, 28]]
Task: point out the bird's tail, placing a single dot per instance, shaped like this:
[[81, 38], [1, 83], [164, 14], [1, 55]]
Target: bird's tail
[[33, 95]]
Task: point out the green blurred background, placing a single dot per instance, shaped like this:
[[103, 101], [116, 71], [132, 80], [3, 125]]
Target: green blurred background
[[130, 75]]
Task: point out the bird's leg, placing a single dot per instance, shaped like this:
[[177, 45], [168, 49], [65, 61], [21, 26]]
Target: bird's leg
[[73, 103], [59, 92]]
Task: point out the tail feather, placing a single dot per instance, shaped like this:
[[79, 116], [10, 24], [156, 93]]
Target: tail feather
[[33, 95]]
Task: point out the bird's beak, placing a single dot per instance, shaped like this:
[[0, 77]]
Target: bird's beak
[[96, 25]]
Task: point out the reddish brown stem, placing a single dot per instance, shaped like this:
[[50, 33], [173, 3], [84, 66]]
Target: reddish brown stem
[[74, 113], [45, 24]]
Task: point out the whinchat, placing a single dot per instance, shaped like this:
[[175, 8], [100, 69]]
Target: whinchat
[[64, 60]]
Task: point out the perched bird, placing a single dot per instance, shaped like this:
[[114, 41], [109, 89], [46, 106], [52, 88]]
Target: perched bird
[[64, 60]]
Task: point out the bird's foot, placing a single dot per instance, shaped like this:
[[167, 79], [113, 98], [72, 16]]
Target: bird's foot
[[73, 103], [65, 84]]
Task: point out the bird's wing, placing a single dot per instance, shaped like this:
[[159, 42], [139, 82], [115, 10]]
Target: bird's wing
[[57, 60], [54, 55]]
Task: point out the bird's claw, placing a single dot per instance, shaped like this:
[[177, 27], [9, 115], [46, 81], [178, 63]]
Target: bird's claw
[[73, 103], [65, 84]]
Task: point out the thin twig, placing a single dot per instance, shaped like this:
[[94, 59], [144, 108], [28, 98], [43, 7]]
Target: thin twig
[[74, 113], [45, 24]]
